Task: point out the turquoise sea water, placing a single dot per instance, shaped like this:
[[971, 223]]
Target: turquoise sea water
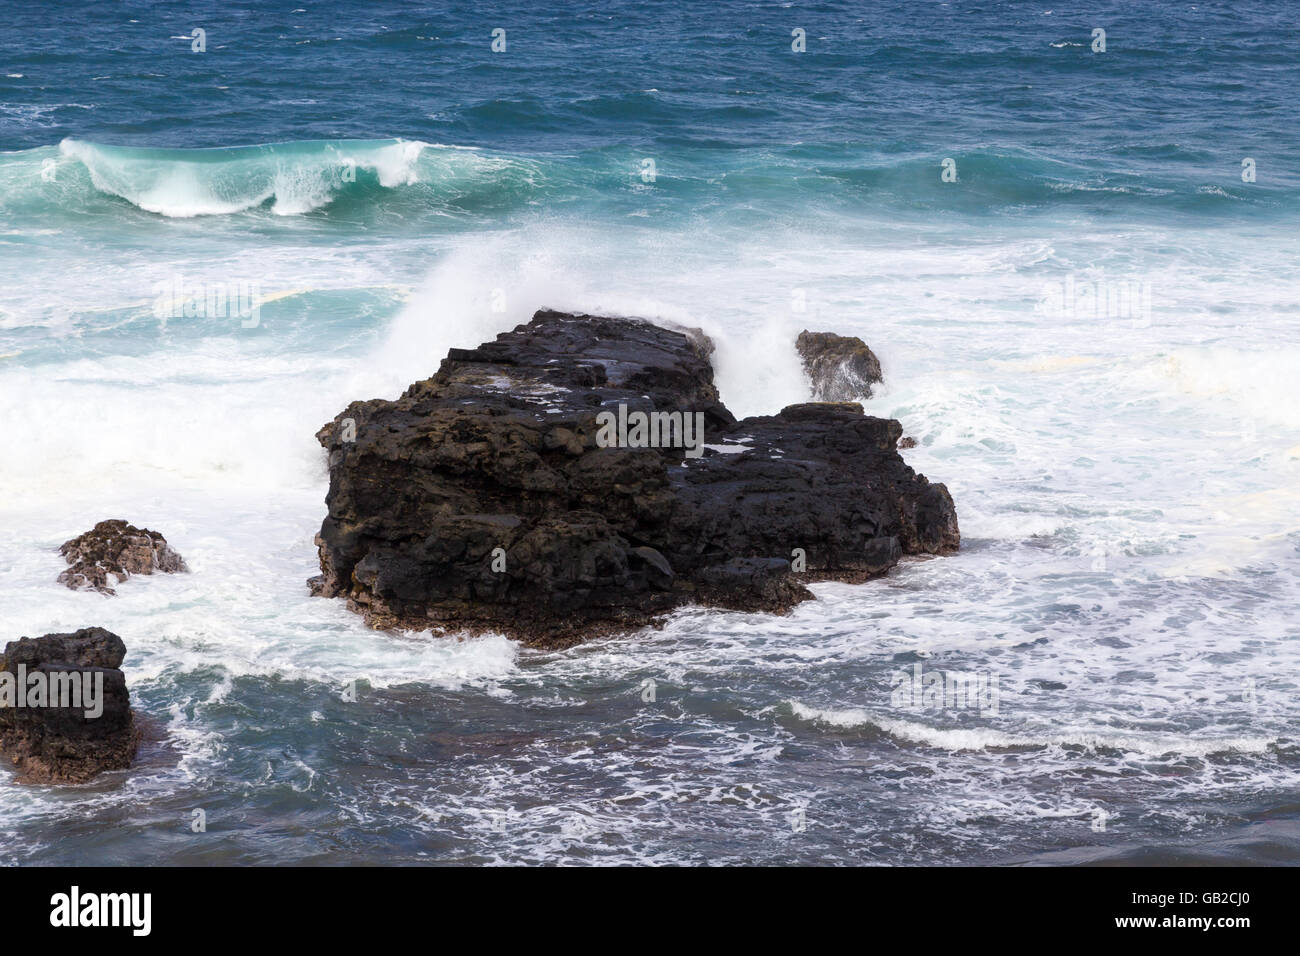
[[1125, 460]]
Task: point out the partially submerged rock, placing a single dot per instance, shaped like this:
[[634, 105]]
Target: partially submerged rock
[[119, 549], [840, 367], [95, 730], [490, 497]]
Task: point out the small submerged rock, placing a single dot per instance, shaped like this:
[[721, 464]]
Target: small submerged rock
[[94, 731], [493, 495], [840, 367], [117, 548]]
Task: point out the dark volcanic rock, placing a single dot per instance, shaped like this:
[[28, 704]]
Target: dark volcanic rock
[[840, 367], [483, 498], [62, 744], [117, 548]]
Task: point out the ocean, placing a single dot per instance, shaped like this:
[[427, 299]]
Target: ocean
[[1077, 265]]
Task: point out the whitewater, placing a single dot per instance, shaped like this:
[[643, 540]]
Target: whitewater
[[1128, 485]]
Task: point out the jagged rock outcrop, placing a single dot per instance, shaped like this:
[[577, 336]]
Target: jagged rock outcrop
[[510, 492], [840, 367], [117, 548], [94, 730]]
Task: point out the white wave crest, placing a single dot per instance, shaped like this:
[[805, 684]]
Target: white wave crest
[[299, 177], [980, 738]]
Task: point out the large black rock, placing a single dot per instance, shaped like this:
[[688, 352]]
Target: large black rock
[[502, 449]]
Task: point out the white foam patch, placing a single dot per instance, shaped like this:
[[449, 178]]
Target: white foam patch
[[148, 421], [988, 739]]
